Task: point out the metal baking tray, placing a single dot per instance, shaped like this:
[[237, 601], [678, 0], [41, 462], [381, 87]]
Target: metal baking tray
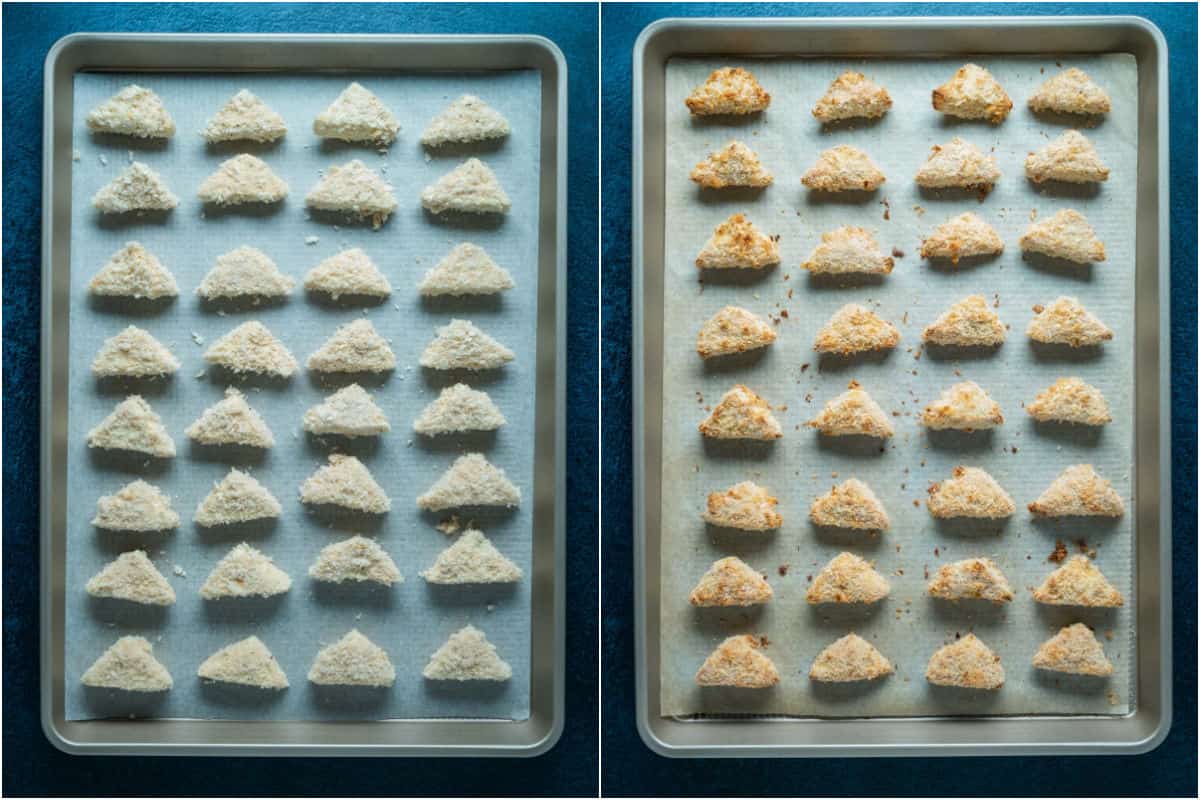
[[1137, 732], [310, 53]]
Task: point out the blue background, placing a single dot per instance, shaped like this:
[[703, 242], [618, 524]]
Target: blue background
[[634, 769], [31, 764]]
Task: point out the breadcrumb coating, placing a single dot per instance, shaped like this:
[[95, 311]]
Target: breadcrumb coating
[[1066, 235], [958, 164], [1071, 91], [467, 656], [962, 237], [971, 579], [1066, 321], [856, 329]]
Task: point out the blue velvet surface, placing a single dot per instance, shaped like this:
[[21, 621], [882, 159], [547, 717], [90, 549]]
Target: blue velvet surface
[[635, 770], [31, 765]]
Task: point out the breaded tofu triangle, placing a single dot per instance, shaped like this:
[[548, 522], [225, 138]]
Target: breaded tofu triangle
[[133, 426], [133, 353], [733, 330], [357, 115], [737, 244], [848, 579], [245, 572], [237, 498], [245, 118], [1078, 583], [843, 169], [1065, 235], [962, 237], [1071, 91], [741, 414], [133, 271], [852, 505], [958, 164], [231, 421], [851, 658], [466, 270], [1070, 400], [970, 493], [964, 406], [853, 413], [471, 481], [244, 272], [856, 329], [132, 577], [1079, 492], [350, 272], [848, 250], [138, 188], [354, 347], [458, 409], [470, 188], [1070, 158], [1074, 650], [971, 579], [136, 506], [973, 94], [467, 656], [745, 506], [240, 180], [354, 190], [852, 95], [350, 411], [1066, 321], [738, 661], [729, 90], [345, 482], [461, 345], [133, 111], [733, 165], [130, 666], [966, 664], [968, 323], [731, 582], [472, 559], [247, 663], [353, 660], [251, 348], [357, 559], [467, 119]]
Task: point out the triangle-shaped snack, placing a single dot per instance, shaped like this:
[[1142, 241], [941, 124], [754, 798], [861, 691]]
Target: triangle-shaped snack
[[852, 96], [245, 572], [971, 579], [345, 482], [132, 577], [733, 330], [968, 323], [244, 118], [357, 115], [472, 559], [244, 272], [133, 353], [970, 493], [851, 658], [354, 347], [1078, 583], [129, 665], [350, 272], [461, 345], [247, 663], [848, 579], [962, 237], [741, 414], [350, 411], [133, 426], [728, 90], [231, 421], [853, 413], [354, 190], [135, 272], [967, 664], [737, 244], [1074, 650], [856, 329], [237, 498], [1066, 235], [735, 164], [138, 507], [1070, 158], [1071, 91], [356, 559], [1079, 492], [738, 661], [133, 111], [470, 481], [973, 94], [843, 169], [964, 406], [1070, 400], [467, 656], [457, 409], [353, 660], [240, 180], [138, 188], [731, 582], [745, 507], [1066, 321], [848, 250], [467, 119], [466, 270], [850, 505], [251, 348], [960, 165], [470, 188]]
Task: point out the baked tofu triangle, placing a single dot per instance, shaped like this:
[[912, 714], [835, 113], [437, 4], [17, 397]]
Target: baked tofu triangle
[[1066, 235], [733, 330], [1078, 583], [358, 560], [466, 270], [853, 413], [231, 421], [848, 579], [1074, 650], [353, 190], [472, 559], [1071, 91], [1070, 400], [346, 483], [467, 656], [237, 498], [354, 347], [737, 244], [244, 272], [458, 409], [467, 119], [964, 406], [133, 426], [856, 329], [729, 90], [958, 165], [251, 348], [138, 188], [240, 180], [133, 111], [245, 118], [848, 250], [843, 169], [350, 272], [357, 115], [247, 663], [1070, 158], [973, 93], [133, 353], [245, 572], [962, 237], [350, 411], [741, 414], [353, 660], [738, 661], [130, 666], [461, 345], [470, 188], [745, 506], [970, 493], [731, 582], [968, 323], [1079, 492], [471, 481], [849, 659], [138, 507], [133, 271], [1066, 321], [966, 664], [132, 577], [852, 95], [971, 579], [733, 165], [852, 505]]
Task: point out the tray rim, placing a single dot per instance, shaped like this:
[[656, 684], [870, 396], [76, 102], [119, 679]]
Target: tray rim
[[677, 738], [537, 736]]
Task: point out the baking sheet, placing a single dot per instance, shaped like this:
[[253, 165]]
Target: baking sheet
[[908, 626], [411, 620]]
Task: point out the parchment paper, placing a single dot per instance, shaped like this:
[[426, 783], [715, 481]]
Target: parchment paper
[[411, 620], [908, 626]]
